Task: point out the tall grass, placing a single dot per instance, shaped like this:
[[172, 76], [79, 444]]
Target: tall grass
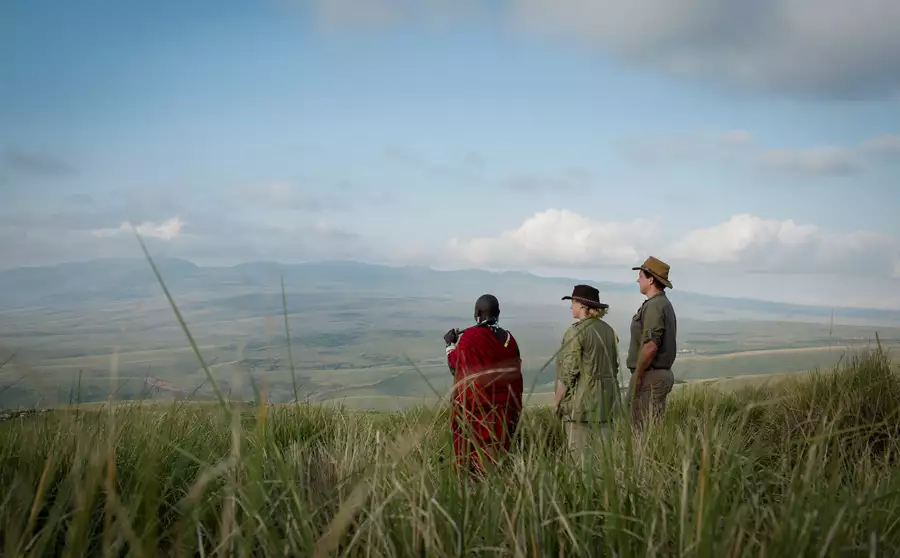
[[807, 469]]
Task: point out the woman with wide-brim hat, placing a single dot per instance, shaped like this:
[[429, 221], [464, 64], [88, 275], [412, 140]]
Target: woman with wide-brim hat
[[587, 369], [652, 348]]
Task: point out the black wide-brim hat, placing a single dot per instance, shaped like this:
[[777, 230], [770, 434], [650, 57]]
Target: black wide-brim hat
[[587, 295]]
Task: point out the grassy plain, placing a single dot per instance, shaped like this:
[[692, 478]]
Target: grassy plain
[[807, 467]]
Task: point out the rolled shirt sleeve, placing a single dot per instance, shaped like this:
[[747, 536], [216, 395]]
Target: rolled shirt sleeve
[[654, 325]]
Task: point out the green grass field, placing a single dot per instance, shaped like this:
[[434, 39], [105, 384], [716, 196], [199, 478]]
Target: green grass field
[[804, 467]]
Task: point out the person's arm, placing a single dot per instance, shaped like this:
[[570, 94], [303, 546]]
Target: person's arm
[[559, 394], [651, 338], [452, 339], [570, 365], [615, 355]]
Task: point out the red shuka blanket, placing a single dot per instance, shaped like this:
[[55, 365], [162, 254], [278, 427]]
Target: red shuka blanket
[[487, 395]]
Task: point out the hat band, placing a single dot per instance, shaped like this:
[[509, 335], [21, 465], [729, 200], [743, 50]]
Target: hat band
[[588, 301]]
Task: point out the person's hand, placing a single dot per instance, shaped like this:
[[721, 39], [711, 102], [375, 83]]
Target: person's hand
[[451, 337]]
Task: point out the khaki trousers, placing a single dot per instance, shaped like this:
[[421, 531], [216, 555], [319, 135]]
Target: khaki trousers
[[580, 435], [649, 402]]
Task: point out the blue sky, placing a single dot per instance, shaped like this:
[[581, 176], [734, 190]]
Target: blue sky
[[755, 148]]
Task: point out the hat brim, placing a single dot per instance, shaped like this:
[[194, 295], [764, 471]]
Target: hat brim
[[662, 280], [586, 302]]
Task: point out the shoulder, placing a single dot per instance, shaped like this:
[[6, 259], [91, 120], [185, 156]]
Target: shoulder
[[604, 329], [575, 327], [665, 304], [467, 335], [509, 335], [584, 328], [571, 333], [660, 303]]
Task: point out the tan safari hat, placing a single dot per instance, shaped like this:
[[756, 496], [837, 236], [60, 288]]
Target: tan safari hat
[[657, 268]]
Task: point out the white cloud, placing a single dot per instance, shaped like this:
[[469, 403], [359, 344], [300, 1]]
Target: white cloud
[[727, 242], [751, 243], [167, 230], [557, 237], [747, 243]]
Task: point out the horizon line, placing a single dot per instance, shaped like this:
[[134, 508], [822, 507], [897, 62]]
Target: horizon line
[[832, 308]]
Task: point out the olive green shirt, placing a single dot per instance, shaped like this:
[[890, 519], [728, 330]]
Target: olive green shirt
[[655, 321], [588, 366]]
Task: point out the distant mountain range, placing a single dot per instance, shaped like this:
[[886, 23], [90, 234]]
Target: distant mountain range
[[111, 280]]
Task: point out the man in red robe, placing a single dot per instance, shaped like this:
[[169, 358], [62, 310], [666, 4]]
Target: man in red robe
[[487, 393]]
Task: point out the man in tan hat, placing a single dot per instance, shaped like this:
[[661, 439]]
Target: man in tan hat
[[651, 351], [587, 370]]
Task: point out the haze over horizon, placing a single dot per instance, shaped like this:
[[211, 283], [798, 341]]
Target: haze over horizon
[[43, 277], [562, 138]]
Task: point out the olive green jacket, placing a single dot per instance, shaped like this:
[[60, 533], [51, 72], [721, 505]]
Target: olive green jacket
[[588, 366]]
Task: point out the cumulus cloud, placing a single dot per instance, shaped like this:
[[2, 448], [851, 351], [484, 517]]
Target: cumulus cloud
[[557, 237], [743, 243], [819, 47], [166, 230], [728, 242], [764, 245]]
